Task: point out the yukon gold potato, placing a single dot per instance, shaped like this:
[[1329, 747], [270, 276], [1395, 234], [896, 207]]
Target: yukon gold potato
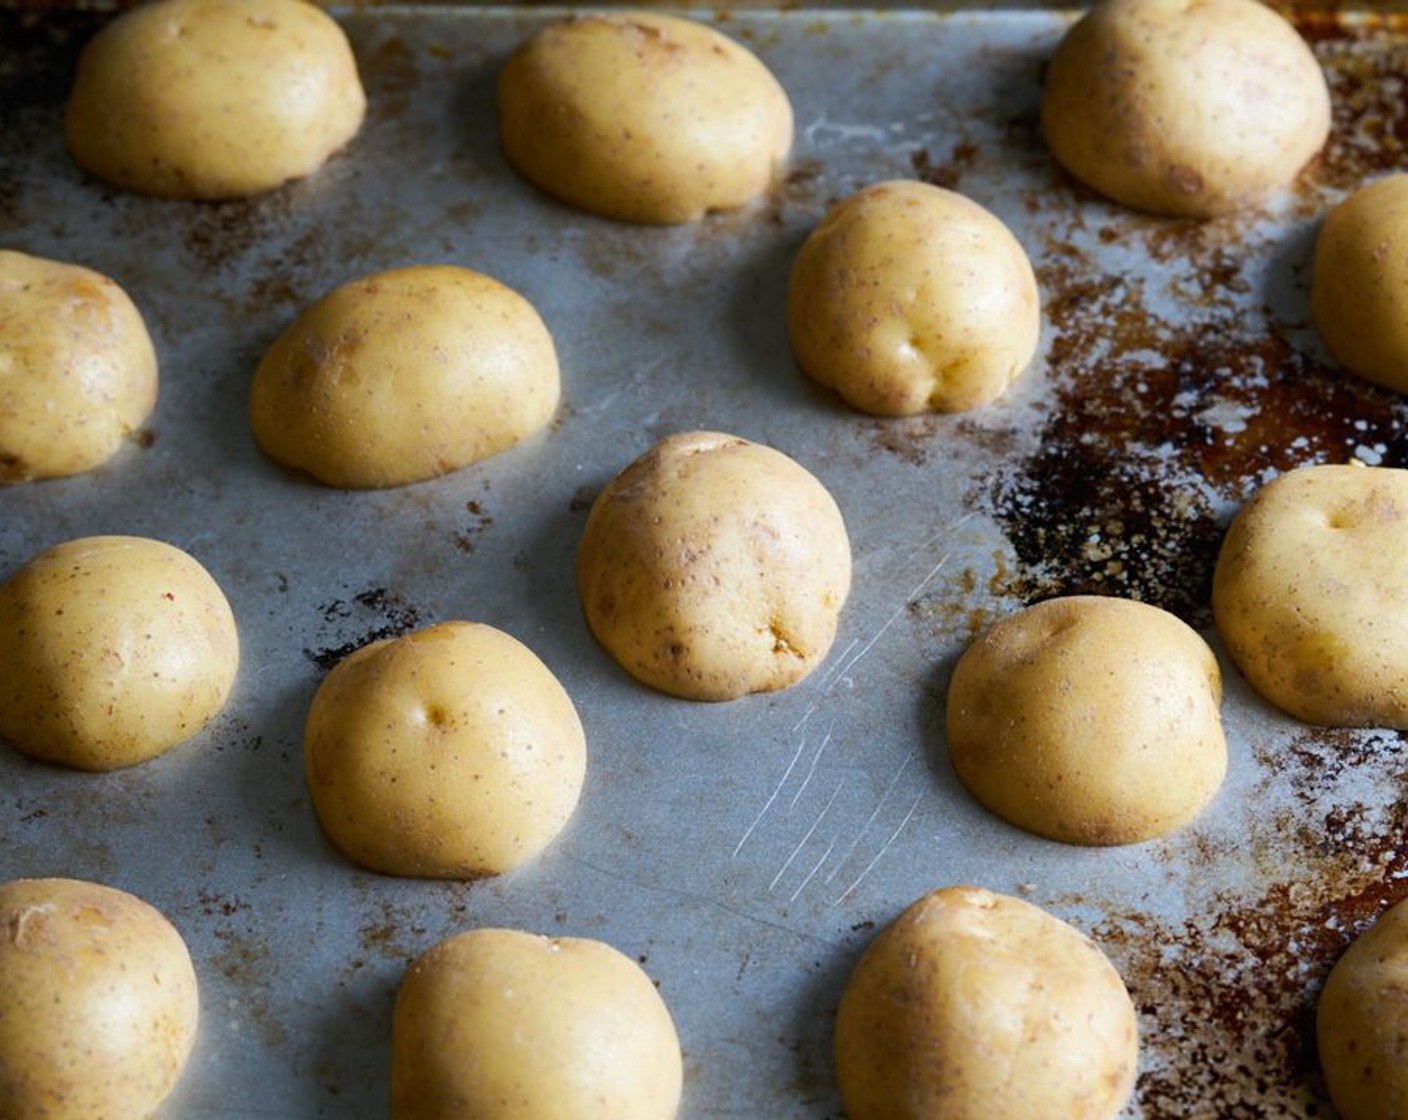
[[977, 1006], [1089, 720], [910, 298], [1310, 594], [115, 649], [499, 1024], [451, 752], [403, 376], [98, 1003], [1362, 1023], [642, 117], [712, 567], [77, 370], [212, 99], [1359, 282], [1190, 109]]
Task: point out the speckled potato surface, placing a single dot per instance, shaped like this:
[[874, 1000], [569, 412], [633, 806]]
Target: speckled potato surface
[[910, 298], [116, 649], [978, 1006], [78, 373], [452, 752], [213, 99], [712, 567], [1359, 282], [643, 117], [405, 375], [98, 1003], [501, 1024], [1191, 108], [1362, 1023], [1310, 594], [1089, 720]]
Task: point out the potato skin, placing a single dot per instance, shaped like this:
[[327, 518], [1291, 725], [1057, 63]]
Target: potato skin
[[977, 1006], [909, 298], [712, 567], [1359, 282], [451, 752], [1089, 720], [1189, 109], [1362, 1023], [505, 1025], [78, 372], [642, 117], [1311, 597], [116, 650], [403, 376], [213, 99], [98, 1003]]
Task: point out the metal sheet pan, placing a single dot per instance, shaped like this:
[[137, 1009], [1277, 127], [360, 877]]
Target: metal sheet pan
[[745, 852]]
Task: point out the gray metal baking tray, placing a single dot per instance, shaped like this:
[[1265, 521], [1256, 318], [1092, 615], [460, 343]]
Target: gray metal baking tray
[[745, 852]]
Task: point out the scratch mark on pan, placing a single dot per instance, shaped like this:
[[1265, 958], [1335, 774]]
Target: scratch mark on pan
[[801, 723], [884, 797], [694, 896], [908, 599], [812, 873], [871, 865], [811, 770], [807, 836], [824, 686], [774, 796]]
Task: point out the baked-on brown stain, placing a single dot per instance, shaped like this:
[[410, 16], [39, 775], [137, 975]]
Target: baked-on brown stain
[[1168, 407], [1178, 389]]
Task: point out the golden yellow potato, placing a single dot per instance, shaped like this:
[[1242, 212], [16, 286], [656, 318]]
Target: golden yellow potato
[[116, 649], [211, 99], [1089, 720], [1359, 282], [910, 298], [77, 369], [98, 1003], [451, 752], [1186, 109], [499, 1024], [977, 1006], [642, 117], [712, 567], [403, 376], [1362, 1023], [1310, 594]]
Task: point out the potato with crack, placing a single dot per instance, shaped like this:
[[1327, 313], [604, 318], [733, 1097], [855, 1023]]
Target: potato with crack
[[99, 1002], [713, 567], [116, 649], [1310, 594], [78, 372], [1361, 1022], [403, 376], [1186, 108], [1089, 720], [451, 752], [213, 99], [973, 1005], [501, 1024], [909, 298], [1359, 282], [643, 117]]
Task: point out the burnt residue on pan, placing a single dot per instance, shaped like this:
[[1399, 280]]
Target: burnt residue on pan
[[1227, 995], [1176, 390], [372, 615], [36, 67], [1173, 390]]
